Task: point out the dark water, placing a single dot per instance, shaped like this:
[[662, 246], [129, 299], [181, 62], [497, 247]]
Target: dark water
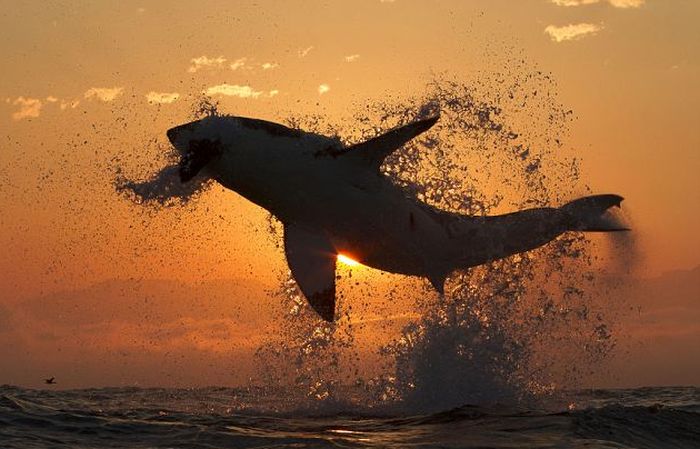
[[227, 418]]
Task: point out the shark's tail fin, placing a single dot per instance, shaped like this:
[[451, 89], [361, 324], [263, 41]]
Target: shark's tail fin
[[590, 213]]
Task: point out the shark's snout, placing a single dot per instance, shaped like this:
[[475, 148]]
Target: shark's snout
[[180, 135], [172, 134], [196, 149]]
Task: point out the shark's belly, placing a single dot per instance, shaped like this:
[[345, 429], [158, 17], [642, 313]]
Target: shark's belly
[[375, 225], [386, 231]]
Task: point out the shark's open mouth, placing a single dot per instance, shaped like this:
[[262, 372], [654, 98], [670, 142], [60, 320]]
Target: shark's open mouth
[[195, 153], [198, 155]]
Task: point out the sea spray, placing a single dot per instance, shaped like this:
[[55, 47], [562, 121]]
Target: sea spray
[[510, 330], [507, 331], [164, 188]]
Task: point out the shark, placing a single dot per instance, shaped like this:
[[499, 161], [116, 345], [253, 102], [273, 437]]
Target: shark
[[334, 199]]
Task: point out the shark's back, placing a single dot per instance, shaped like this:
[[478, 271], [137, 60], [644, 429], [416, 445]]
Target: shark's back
[[271, 128]]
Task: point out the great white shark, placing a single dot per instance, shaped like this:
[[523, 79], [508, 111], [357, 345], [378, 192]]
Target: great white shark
[[334, 199]]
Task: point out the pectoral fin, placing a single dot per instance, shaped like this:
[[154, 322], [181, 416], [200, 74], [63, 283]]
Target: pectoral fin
[[437, 280], [312, 259]]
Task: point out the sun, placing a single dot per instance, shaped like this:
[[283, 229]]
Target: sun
[[345, 260]]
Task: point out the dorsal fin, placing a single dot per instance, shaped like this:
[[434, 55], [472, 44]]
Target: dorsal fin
[[372, 152]]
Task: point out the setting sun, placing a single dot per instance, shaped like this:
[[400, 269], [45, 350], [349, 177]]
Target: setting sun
[[345, 260]]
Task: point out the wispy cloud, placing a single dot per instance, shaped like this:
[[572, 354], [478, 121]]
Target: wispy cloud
[[615, 3], [626, 3], [205, 62], [234, 90], [571, 32], [305, 51], [105, 94], [28, 108], [574, 2], [323, 88], [162, 97], [65, 104], [32, 107], [352, 58], [238, 63]]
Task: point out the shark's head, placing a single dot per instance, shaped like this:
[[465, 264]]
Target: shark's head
[[204, 141], [198, 143]]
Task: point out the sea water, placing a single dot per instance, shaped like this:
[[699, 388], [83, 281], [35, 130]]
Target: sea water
[[238, 418]]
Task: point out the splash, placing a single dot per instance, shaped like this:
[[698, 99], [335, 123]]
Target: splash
[[510, 331], [164, 188], [517, 329]]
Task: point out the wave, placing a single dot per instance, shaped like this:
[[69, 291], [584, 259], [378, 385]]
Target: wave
[[179, 418]]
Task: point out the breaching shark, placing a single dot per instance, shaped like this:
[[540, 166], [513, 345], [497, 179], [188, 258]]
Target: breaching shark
[[334, 199]]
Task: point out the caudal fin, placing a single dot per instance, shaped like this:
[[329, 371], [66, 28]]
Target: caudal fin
[[590, 213]]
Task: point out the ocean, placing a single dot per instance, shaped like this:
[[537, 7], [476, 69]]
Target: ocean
[[207, 418]]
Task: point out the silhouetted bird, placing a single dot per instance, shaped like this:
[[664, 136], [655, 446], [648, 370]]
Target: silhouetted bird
[[50, 381]]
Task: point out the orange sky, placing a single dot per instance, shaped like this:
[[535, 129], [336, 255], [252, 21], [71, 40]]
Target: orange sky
[[84, 83]]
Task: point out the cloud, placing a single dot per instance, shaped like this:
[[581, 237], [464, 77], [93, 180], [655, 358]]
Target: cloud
[[573, 2], [162, 97], [234, 90], [323, 88], [205, 62], [105, 94], [32, 107], [269, 65], [91, 325], [238, 63], [571, 32], [28, 108], [65, 104], [615, 3], [352, 58], [626, 3], [305, 51]]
